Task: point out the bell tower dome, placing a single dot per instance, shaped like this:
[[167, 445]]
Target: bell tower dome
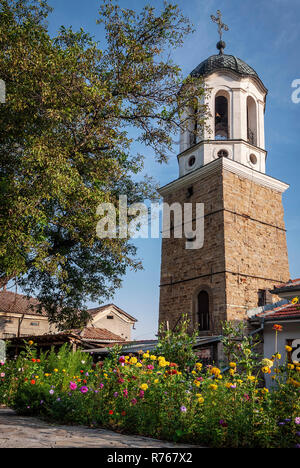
[[236, 101]]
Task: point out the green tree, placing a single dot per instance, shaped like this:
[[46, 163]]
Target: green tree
[[66, 146]]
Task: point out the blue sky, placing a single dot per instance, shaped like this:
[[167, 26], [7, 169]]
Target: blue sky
[[265, 34]]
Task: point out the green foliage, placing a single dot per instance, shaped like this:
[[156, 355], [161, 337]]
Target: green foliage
[[150, 396], [177, 345], [66, 146], [238, 345]]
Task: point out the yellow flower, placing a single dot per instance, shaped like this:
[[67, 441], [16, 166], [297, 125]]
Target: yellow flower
[[295, 300], [291, 366], [144, 386], [199, 365], [200, 400], [213, 386], [215, 371], [199, 395], [194, 372], [267, 362], [231, 371], [265, 370], [278, 356], [152, 357], [146, 355], [265, 390], [239, 381], [55, 370], [133, 360], [138, 364], [30, 342], [228, 384], [64, 370], [156, 381], [220, 377], [288, 348], [232, 365], [251, 378], [197, 383]]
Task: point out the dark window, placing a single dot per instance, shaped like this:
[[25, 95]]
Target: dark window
[[261, 297], [192, 161], [203, 311], [110, 317], [193, 133], [264, 297], [190, 191], [221, 118], [34, 324], [223, 153]]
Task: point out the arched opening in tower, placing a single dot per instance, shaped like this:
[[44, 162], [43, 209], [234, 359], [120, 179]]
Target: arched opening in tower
[[251, 121], [221, 118], [203, 311]]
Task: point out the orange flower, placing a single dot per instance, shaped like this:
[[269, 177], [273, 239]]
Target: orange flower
[[277, 327]]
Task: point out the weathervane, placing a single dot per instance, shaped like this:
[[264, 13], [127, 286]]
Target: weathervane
[[221, 44]]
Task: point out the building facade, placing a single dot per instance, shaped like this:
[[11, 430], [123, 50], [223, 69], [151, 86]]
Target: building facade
[[223, 166]]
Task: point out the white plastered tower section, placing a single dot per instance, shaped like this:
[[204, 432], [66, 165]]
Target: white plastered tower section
[[242, 138]]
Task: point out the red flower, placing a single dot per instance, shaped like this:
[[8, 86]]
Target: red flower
[[38, 360], [32, 382], [120, 380], [33, 360], [111, 412], [277, 327], [81, 372], [84, 381], [123, 413]]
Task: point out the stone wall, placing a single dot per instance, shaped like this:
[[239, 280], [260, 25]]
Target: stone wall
[[244, 250]]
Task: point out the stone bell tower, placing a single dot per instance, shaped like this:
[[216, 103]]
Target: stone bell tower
[[244, 252]]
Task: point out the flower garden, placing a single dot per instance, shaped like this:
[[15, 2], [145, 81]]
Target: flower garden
[[150, 395]]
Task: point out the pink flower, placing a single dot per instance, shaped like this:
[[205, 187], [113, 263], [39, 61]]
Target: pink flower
[[150, 367], [297, 420], [125, 391], [2, 374], [134, 401], [101, 385], [73, 386], [84, 389], [142, 393]]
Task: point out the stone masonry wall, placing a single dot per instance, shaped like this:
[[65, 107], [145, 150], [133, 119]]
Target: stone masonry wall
[[244, 250]]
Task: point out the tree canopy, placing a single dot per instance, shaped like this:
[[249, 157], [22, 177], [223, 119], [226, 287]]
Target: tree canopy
[[66, 143]]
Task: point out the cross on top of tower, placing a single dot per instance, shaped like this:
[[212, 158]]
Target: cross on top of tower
[[221, 44]]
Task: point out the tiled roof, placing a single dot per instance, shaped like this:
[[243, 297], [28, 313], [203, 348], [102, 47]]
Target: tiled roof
[[11, 302], [91, 333], [290, 285], [284, 312], [96, 310]]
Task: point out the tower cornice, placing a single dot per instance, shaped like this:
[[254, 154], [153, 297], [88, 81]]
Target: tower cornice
[[230, 166]]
